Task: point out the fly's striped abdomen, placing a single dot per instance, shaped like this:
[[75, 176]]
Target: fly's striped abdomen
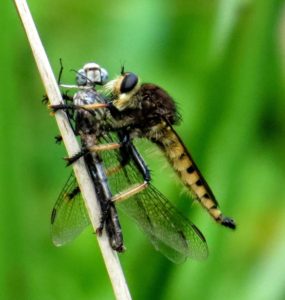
[[183, 164]]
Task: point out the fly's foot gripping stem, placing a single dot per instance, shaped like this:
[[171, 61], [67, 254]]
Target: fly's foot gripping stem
[[56, 107], [95, 148], [120, 249], [71, 106]]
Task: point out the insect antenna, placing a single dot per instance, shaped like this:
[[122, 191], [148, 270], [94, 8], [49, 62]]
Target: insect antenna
[[122, 68]]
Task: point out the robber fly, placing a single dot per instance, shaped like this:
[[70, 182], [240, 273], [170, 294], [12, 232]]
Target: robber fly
[[117, 166], [144, 110]]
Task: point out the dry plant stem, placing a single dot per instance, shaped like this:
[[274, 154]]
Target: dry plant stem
[[110, 257]]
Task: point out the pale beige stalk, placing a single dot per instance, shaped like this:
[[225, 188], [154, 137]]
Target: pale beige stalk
[[110, 257]]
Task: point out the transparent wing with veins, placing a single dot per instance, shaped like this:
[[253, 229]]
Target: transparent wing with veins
[[69, 216], [169, 231]]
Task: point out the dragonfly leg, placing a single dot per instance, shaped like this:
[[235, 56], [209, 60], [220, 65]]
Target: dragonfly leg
[[114, 230], [45, 99], [60, 71], [105, 213], [65, 96], [58, 139]]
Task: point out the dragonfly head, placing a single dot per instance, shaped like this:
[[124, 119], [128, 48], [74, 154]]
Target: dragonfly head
[[91, 74]]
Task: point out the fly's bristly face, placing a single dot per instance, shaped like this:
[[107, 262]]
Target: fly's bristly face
[[143, 103], [123, 90]]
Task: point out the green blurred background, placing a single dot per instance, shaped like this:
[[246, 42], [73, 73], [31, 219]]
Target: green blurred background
[[224, 62]]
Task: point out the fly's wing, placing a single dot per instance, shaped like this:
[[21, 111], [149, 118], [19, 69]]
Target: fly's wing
[[169, 231], [69, 216]]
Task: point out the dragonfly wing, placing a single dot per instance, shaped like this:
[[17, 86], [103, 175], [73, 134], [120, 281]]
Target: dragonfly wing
[[69, 216], [168, 230]]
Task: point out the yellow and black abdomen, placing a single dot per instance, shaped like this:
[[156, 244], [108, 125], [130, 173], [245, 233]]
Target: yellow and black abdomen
[[185, 167]]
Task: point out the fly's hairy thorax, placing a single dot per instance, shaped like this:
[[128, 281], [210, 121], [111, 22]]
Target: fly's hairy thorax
[[148, 111]]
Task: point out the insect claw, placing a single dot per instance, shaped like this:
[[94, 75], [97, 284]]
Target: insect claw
[[45, 99], [120, 249], [54, 108], [51, 109], [99, 230], [58, 139], [69, 161]]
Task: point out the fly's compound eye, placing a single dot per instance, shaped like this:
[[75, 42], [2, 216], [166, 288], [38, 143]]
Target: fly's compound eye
[[129, 82]]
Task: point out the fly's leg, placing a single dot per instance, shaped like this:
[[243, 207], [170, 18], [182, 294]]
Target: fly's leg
[[133, 190], [128, 151], [96, 148], [88, 107], [140, 163], [133, 154]]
